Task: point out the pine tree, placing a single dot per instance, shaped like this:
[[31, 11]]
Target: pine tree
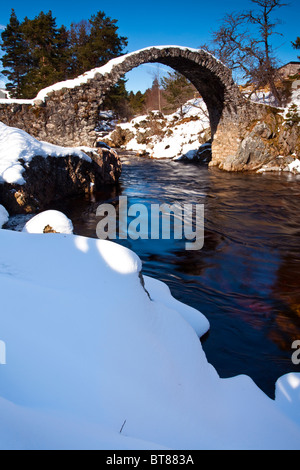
[[48, 51], [105, 44], [137, 102], [38, 54], [117, 100], [16, 56], [63, 54], [177, 90], [296, 45], [94, 42], [79, 35]]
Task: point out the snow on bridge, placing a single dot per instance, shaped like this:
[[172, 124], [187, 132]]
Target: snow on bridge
[[67, 113]]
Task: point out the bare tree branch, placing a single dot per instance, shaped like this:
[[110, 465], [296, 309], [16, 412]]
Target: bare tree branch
[[243, 43]]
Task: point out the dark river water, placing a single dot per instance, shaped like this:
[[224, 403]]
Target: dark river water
[[245, 279]]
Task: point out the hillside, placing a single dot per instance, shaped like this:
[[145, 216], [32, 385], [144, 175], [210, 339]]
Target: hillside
[[176, 136]]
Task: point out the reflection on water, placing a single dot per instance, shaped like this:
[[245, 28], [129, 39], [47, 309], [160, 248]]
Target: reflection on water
[[246, 279]]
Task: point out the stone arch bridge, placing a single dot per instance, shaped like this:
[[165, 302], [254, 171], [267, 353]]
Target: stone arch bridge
[[67, 113]]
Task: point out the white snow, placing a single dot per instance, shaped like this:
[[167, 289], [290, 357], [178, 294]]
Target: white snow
[[294, 167], [261, 96], [88, 352], [15, 100], [54, 219], [16, 144], [182, 137], [4, 216]]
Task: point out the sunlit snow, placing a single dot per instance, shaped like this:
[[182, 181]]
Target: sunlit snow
[[89, 349]]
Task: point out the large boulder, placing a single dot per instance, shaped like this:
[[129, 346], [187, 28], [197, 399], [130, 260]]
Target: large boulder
[[253, 152], [271, 143], [50, 179]]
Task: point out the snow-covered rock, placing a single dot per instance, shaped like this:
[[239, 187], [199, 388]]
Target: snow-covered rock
[[48, 221], [94, 362], [16, 145], [33, 173]]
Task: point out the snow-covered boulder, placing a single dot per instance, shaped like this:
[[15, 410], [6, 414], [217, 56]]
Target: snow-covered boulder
[[49, 221], [34, 173]]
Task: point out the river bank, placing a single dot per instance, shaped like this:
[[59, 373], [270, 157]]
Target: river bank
[[268, 144]]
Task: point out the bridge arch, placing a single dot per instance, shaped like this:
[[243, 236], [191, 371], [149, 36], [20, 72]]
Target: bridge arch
[[211, 78], [67, 113]]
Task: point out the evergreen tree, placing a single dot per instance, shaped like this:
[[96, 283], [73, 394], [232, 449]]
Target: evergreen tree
[[16, 56], [105, 44], [117, 100], [48, 52], [177, 90], [296, 45], [79, 36], [37, 53], [137, 102], [63, 65], [95, 42]]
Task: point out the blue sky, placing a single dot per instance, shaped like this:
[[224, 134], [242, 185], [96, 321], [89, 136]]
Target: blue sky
[[158, 23]]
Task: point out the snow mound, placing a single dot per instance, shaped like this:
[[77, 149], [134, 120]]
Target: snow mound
[[16, 145], [94, 361], [53, 220], [4, 216]]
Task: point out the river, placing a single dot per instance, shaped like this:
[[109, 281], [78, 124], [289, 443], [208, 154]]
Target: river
[[245, 279]]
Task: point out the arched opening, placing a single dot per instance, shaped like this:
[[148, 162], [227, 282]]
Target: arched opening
[[211, 78], [165, 116], [207, 84]]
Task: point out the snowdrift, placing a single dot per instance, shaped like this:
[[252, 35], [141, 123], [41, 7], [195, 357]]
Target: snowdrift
[[96, 361]]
